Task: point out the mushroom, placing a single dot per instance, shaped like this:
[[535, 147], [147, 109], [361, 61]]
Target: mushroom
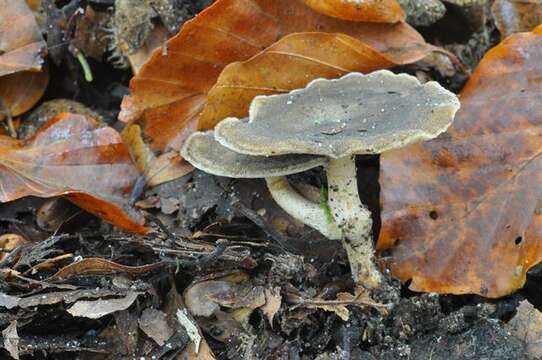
[[331, 120]]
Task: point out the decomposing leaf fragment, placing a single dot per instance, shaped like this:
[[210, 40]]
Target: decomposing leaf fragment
[[359, 10], [72, 155], [21, 43], [465, 209], [154, 324], [169, 92], [11, 339], [527, 326], [204, 298]]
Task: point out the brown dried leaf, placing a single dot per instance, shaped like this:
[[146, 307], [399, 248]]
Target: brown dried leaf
[[93, 266], [72, 155], [21, 43], [512, 16], [467, 217], [359, 10], [169, 92], [22, 90]]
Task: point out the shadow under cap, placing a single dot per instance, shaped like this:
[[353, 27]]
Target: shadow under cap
[[355, 114], [204, 152]]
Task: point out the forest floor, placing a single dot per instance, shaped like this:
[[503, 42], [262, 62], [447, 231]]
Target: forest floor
[[256, 287]]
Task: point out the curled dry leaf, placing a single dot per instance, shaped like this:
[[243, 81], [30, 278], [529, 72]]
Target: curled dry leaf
[[169, 92], [359, 10], [513, 16], [21, 51], [72, 155], [93, 266], [21, 43], [22, 90], [468, 219]]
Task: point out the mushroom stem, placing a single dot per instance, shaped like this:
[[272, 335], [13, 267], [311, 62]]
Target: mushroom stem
[[354, 220], [301, 208]]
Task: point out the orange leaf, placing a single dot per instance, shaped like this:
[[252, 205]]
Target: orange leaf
[[169, 92], [288, 64], [71, 155], [359, 10], [21, 43], [466, 208]]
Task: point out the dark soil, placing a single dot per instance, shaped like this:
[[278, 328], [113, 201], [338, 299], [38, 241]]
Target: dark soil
[[212, 228]]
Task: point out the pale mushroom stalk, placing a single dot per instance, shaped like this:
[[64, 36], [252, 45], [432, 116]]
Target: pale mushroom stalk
[[300, 208], [353, 218]]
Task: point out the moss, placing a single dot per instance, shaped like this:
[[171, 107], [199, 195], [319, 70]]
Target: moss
[[324, 204]]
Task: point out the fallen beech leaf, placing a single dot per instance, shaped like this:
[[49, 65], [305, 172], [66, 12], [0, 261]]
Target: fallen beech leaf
[[22, 90], [284, 66], [359, 10], [466, 207], [169, 92], [95, 309], [71, 155], [93, 266], [21, 43], [513, 16]]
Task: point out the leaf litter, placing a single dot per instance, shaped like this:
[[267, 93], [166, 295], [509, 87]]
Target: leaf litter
[[248, 280]]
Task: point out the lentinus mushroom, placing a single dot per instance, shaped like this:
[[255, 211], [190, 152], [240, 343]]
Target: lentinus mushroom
[[332, 121]]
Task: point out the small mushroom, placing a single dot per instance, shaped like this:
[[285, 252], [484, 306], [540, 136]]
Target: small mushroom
[[336, 119]]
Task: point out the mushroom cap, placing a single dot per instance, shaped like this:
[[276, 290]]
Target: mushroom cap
[[205, 153], [356, 114]]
